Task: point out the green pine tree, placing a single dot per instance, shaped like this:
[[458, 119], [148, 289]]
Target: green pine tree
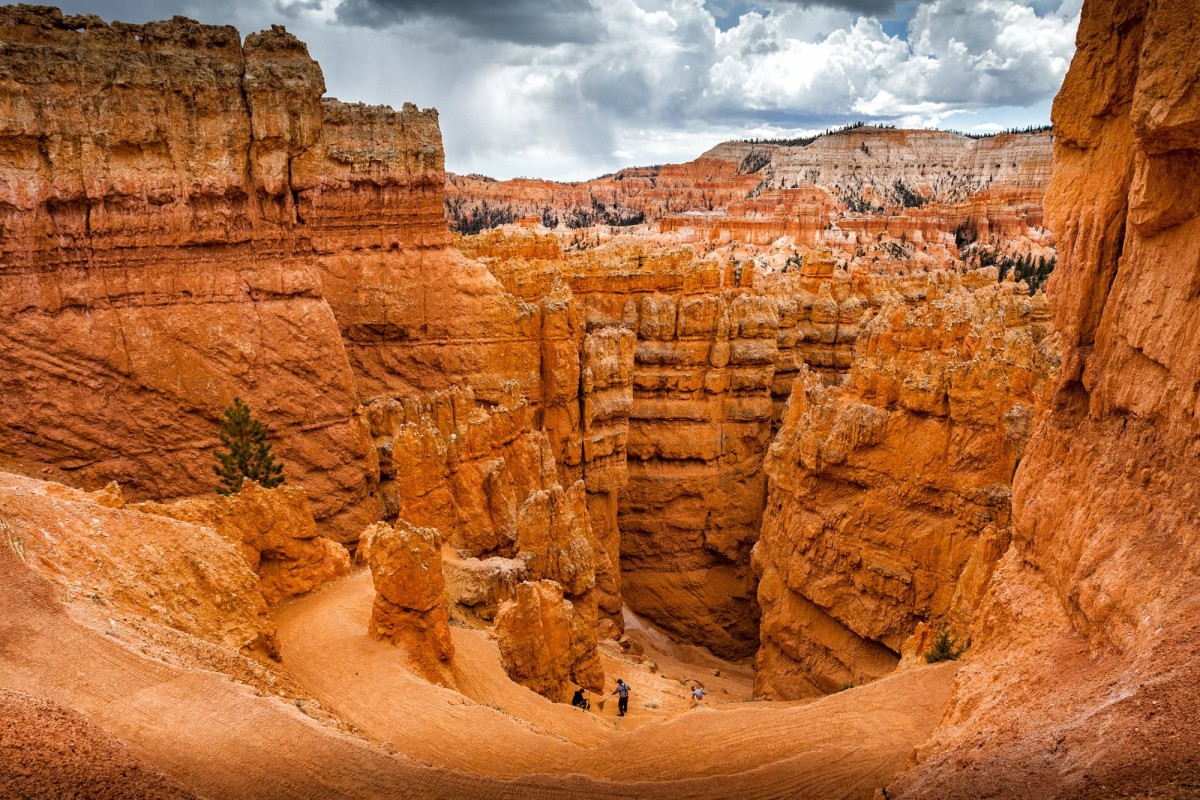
[[246, 453], [944, 648]]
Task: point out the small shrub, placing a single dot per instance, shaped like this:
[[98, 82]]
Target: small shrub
[[944, 648]]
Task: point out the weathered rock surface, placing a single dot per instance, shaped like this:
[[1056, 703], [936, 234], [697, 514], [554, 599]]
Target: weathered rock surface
[[274, 531], [539, 636], [410, 308], [487, 480], [906, 198], [889, 496], [1083, 674], [152, 265], [711, 354], [179, 574], [410, 598]]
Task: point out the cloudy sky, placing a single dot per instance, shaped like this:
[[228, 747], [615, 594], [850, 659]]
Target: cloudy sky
[[569, 89]]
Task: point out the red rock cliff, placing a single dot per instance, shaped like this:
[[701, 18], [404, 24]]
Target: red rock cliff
[[151, 265], [1084, 678]]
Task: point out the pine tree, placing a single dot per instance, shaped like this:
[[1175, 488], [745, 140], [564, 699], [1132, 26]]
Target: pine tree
[[247, 453], [944, 648]]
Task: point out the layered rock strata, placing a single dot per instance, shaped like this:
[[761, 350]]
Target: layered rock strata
[[152, 264], [908, 199], [889, 503], [1083, 674], [415, 315], [714, 357]]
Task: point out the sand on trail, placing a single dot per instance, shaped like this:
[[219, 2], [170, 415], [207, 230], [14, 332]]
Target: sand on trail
[[222, 739], [492, 726]]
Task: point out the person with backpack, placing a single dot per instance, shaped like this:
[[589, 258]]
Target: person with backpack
[[622, 693], [698, 693]]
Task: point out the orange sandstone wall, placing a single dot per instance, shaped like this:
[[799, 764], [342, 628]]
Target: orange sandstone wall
[[184, 219], [150, 266], [1084, 672], [415, 315], [888, 499]]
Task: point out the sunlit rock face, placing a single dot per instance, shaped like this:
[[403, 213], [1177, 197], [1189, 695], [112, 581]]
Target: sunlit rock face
[[889, 495], [1084, 647], [153, 264]]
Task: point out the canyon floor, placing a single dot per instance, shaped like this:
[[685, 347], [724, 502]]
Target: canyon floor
[[352, 720]]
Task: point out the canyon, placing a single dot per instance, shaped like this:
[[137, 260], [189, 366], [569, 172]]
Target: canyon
[[768, 422]]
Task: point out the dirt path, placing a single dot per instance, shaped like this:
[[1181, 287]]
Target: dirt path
[[840, 746], [222, 739]]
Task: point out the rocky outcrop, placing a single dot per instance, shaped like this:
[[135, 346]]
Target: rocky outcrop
[[132, 564], [716, 347], [538, 632], [151, 261], [410, 308], [410, 601], [1084, 667], [487, 481], [204, 225], [275, 533], [889, 496]]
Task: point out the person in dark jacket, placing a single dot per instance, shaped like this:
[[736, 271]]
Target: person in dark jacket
[[622, 693], [579, 701]]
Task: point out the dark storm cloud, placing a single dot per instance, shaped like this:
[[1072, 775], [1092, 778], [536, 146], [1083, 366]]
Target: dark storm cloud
[[530, 22]]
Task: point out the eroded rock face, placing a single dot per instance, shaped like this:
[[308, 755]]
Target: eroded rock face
[[274, 531], [889, 496], [151, 260], [1084, 649], [410, 602], [488, 482], [179, 574], [714, 355], [539, 633], [410, 307], [928, 192]]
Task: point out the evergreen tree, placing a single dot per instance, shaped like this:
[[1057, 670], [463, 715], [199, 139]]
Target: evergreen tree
[[944, 648], [247, 453]]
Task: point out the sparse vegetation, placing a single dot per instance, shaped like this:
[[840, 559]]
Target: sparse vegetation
[[908, 197], [470, 220], [601, 213], [754, 161], [944, 648], [246, 453], [1028, 129], [1034, 270]]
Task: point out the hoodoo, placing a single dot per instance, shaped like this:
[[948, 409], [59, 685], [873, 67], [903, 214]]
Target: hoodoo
[[887, 440]]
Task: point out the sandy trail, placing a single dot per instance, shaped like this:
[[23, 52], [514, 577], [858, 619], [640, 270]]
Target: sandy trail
[[837, 745], [223, 740]]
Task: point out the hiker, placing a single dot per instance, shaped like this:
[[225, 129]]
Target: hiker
[[579, 701], [622, 692], [698, 693]]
